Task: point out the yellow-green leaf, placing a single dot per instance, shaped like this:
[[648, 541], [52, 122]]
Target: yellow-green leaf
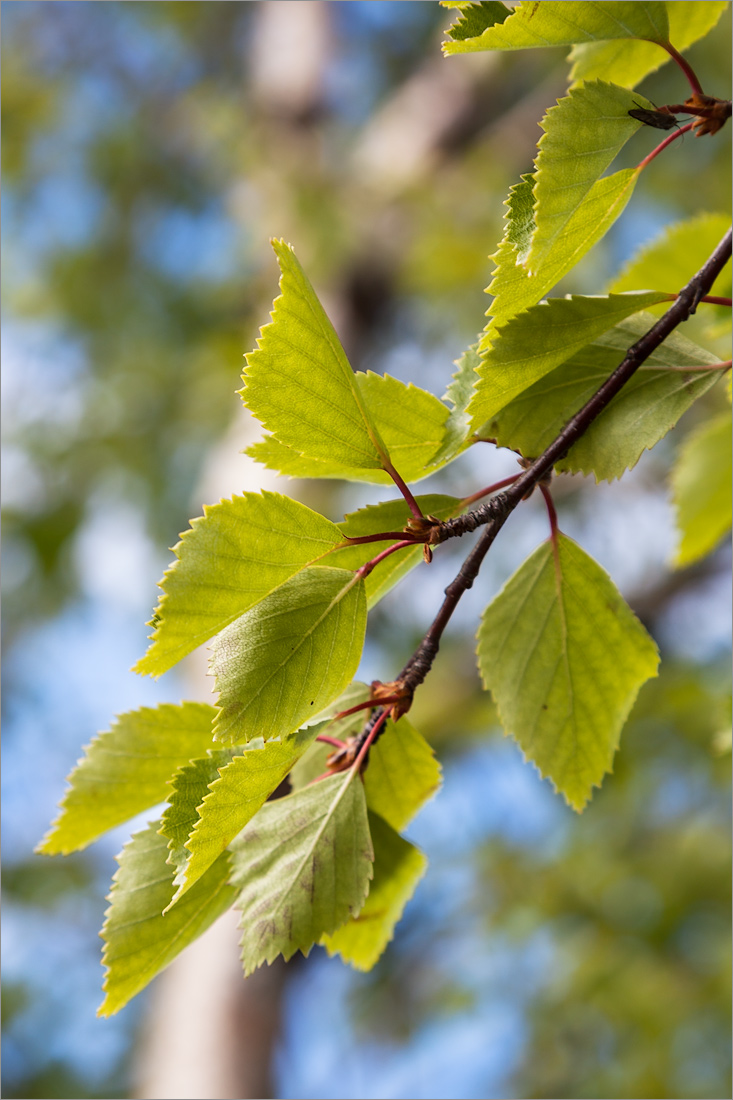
[[402, 774], [126, 770], [301, 868], [233, 556], [564, 657], [289, 656], [558, 23], [537, 341], [628, 62], [299, 383], [139, 941], [398, 867], [701, 489], [233, 797]]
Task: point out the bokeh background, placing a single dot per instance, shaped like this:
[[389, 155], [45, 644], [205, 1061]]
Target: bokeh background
[[149, 152]]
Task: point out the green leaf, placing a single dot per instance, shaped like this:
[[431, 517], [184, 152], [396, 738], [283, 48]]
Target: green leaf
[[402, 774], [126, 770], [459, 393], [190, 785], [410, 420], [564, 657], [299, 383], [398, 867], [233, 556], [391, 515], [475, 18], [232, 798], [553, 23], [513, 287], [302, 868], [628, 62], [675, 255], [289, 656], [701, 488], [583, 134], [670, 259], [636, 419], [532, 344], [139, 940]]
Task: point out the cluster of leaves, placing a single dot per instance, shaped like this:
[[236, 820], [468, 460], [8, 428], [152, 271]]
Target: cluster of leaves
[[284, 592]]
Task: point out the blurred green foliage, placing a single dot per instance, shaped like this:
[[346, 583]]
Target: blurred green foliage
[[146, 162]]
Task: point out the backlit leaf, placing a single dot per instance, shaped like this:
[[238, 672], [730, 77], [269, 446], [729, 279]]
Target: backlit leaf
[[398, 867], [299, 383], [233, 797], [701, 488], [513, 287], [126, 770], [636, 419], [301, 868], [532, 344], [410, 420], [583, 134], [233, 556], [552, 23], [474, 18], [139, 941], [628, 62], [459, 393], [289, 656], [564, 657], [668, 261], [402, 774], [189, 786]]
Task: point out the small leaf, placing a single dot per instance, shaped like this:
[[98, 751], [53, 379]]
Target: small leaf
[[475, 18], [636, 419], [410, 421], [534, 343], [289, 656], [628, 62], [126, 770], [701, 487], [402, 774], [391, 515], [299, 384], [139, 940], [233, 556], [514, 288], [398, 867], [583, 134], [459, 393], [552, 23], [564, 658], [190, 785], [233, 797], [302, 868]]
